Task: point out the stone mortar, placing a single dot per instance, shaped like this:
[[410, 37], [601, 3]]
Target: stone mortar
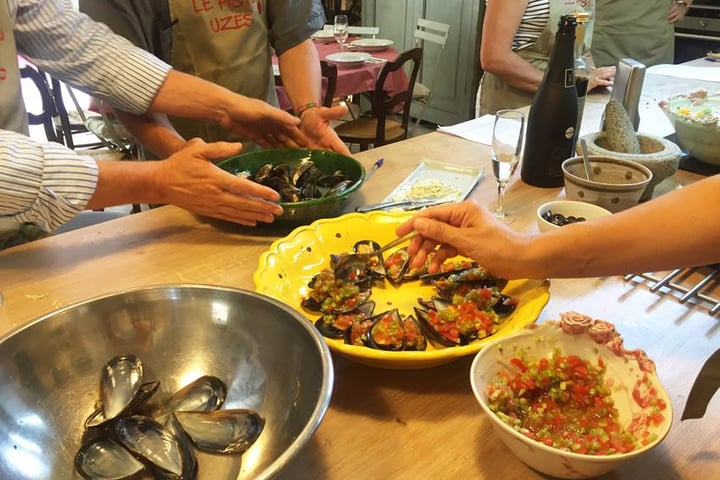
[[661, 156]]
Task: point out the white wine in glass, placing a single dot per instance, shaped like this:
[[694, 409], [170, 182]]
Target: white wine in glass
[[340, 30], [508, 132]]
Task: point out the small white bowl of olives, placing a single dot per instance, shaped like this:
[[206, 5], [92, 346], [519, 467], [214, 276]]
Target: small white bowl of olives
[[559, 213]]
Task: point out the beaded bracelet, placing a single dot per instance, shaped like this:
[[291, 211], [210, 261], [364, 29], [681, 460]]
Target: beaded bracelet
[[306, 107]]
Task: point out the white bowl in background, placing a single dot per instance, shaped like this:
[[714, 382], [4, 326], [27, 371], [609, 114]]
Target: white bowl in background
[[568, 208]]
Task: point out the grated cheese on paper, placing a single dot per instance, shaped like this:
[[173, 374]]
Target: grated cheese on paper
[[428, 189]]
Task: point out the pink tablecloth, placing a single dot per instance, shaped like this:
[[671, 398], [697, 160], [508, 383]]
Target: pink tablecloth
[[352, 81]]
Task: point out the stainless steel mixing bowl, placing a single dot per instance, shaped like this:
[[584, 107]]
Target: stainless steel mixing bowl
[[271, 358]]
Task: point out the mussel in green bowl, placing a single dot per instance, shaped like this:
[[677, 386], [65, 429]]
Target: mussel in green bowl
[[313, 184]]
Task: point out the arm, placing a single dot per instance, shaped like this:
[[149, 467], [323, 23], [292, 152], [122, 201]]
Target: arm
[[678, 10], [300, 72], [48, 184], [154, 131], [87, 55], [501, 22], [189, 180], [675, 230]]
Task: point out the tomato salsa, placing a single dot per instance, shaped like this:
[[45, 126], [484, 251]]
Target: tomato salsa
[[563, 401]]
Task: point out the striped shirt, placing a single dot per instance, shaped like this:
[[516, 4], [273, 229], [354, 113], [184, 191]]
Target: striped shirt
[[532, 24], [47, 184]]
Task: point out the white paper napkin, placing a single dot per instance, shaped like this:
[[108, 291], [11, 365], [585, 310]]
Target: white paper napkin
[[476, 130]]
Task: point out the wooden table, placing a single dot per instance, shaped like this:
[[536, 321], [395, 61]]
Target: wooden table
[[386, 424]]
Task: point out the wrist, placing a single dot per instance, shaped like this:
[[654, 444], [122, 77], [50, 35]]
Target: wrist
[[300, 111]]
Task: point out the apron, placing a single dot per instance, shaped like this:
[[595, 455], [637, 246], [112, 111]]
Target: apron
[[494, 94], [638, 30], [226, 43]]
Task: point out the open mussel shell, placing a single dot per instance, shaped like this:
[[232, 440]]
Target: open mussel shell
[[104, 459], [426, 324], [387, 331], [335, 326], [120, 381], [357, 334], [203, 394], [505, 305], [447, 269], [415, 339], [146, 390], [190, 460], [375, 265], [151, 441], [222, 431], [396, 264]]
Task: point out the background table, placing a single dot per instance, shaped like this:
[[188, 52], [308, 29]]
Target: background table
[[353, 81]]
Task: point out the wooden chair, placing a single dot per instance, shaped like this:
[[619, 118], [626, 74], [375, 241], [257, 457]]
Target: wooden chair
[[68, 126], [375, 128], [436, 33], [46, 117]]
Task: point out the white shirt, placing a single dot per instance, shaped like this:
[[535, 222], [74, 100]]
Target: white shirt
[[48, 184]]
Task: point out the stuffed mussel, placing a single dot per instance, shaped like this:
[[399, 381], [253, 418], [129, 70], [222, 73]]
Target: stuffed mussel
[[467, 304]]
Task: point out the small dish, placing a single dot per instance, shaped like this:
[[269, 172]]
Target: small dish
[[348, 59], [372, 44], [568, 208], [436, 180]]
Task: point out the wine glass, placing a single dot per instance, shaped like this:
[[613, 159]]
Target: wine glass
[[340, 30], [506, 145]]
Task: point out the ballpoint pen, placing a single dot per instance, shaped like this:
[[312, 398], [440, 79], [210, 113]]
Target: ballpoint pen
[[376, 166]]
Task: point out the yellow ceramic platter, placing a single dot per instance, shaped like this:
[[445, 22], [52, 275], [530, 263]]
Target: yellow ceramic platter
[[286, 268]]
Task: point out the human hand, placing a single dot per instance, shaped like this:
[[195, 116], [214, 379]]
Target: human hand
[[190, 180], [677, 12], [465, 229], [601, 77], [315, 124], [268, 126]]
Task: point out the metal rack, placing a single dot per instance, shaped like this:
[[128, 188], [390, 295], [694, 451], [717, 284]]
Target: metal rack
[[701, 284]]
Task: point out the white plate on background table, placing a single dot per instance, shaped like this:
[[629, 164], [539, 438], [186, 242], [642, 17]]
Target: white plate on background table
[[433, 179], [323, 36], [371, 44], [348, 59]]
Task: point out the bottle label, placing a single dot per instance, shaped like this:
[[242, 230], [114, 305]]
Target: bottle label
[[570, 78], [569, 132]]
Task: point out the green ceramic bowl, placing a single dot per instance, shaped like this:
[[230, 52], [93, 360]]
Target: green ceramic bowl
[[306, 211]]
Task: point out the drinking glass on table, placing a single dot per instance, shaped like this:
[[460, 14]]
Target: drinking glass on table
[[340, 30], [507, 141]]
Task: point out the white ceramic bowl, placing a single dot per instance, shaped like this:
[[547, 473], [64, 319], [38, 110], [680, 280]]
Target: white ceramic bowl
[[617, 184], [568, 208], [594, 340], [695, 119]]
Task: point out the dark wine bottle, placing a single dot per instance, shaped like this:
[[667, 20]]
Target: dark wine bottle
[[582, 71], [552, 120]]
